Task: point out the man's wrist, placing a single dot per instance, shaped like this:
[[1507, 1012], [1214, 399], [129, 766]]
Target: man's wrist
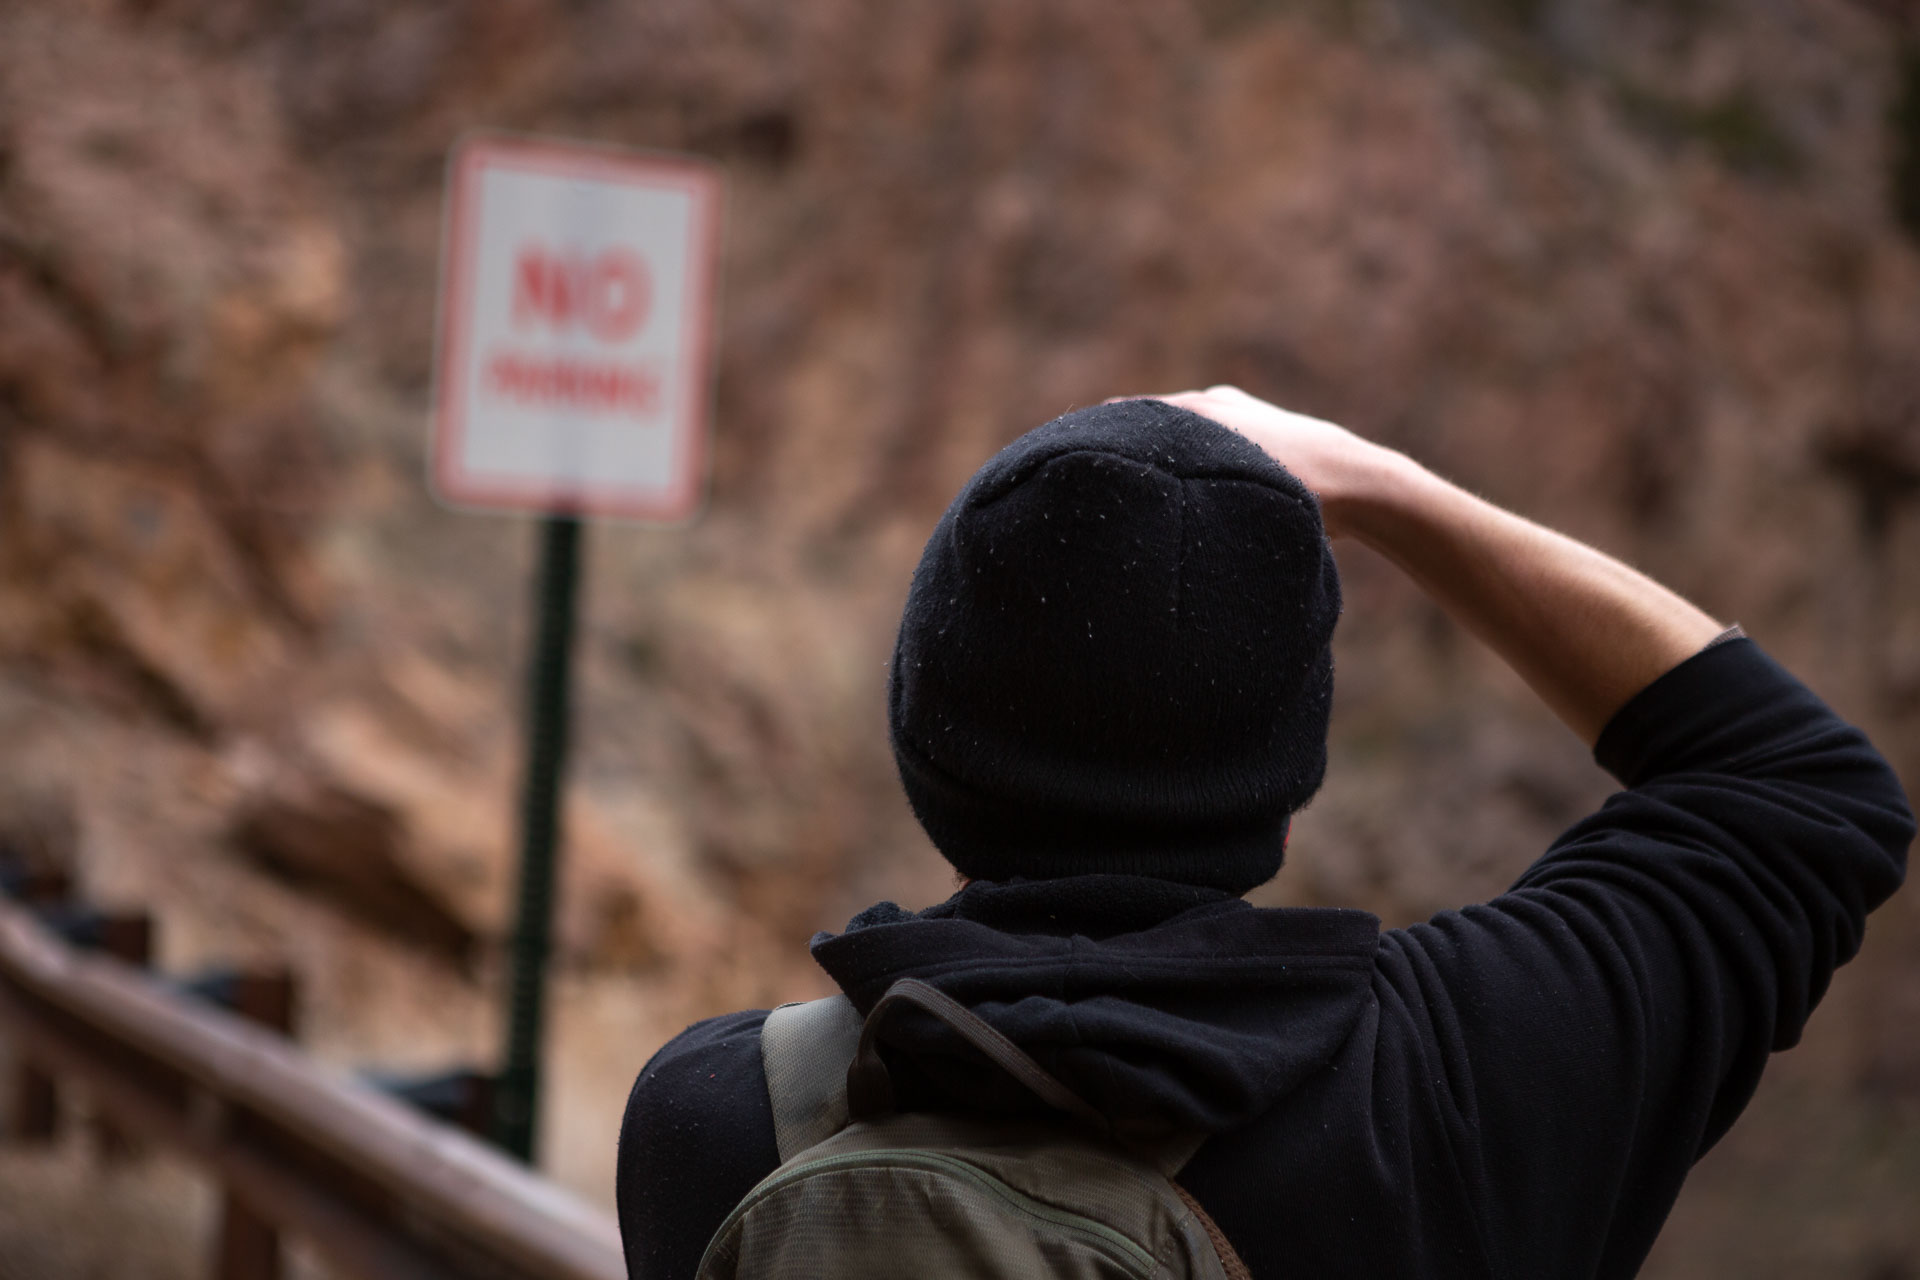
[[1373, 494]]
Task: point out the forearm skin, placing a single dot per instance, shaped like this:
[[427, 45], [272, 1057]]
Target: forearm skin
[[1585, 631]]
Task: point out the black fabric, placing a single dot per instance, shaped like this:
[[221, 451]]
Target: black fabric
[[1114, 656], [1513, 1089], [1199, 1018]]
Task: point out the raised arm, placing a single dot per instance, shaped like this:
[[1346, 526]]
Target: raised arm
[[1585, 631], [1600, 1025]]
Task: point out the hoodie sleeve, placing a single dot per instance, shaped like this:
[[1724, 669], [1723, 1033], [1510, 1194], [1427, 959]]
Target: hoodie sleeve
[[697, 1136], [1599, 1026]]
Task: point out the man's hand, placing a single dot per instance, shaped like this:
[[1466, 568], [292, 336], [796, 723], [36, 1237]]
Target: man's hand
[[1585, 631], [1330, 460]]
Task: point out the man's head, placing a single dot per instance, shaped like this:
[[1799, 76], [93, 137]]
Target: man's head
[[1114, 655]]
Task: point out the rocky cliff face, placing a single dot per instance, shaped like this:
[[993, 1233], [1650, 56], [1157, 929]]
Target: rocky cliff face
[[1633, 269]]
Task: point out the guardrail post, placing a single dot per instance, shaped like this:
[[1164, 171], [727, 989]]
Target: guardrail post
[[249, 1245], [33, 1108], [125, 936], [35, 1102], [33, 1105]]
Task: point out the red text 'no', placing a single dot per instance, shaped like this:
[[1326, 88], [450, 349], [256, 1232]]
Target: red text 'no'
[[607, 294]]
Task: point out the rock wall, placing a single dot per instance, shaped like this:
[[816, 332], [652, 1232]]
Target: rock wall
[[1635, 270]]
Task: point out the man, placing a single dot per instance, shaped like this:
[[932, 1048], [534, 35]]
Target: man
[[1109, 695]]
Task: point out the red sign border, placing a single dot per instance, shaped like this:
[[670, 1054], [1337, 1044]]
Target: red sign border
[[472, 155]]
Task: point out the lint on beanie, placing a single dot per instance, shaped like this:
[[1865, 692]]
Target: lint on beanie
[[1114, 656]]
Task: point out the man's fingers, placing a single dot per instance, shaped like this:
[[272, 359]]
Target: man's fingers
[[1219, 392]]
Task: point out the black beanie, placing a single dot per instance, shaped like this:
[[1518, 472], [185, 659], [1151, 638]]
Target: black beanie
[[1115, 656]]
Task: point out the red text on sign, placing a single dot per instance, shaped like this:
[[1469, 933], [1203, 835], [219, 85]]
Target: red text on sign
[[608, 294], [575, 384]]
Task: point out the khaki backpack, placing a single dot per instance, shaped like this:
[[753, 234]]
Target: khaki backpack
[[864, 1191]]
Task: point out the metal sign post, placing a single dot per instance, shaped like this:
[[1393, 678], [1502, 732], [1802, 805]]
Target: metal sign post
[[548, 684], [571, 380]]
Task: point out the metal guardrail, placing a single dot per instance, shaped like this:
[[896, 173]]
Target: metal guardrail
[[380, 1190]]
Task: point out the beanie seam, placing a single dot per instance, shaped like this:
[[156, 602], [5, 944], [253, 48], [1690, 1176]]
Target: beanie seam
[[1007, 485], [1215, 477]]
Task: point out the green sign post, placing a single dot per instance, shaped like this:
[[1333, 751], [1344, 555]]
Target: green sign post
[[549, 678]]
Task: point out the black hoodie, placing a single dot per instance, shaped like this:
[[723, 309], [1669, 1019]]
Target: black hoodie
[[1513, 1089]]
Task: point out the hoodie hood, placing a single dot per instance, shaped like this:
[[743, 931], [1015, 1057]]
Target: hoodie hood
[[1166, 1006]]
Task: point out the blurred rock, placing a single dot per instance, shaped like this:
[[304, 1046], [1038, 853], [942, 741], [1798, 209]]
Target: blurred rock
[[165, 285], [454, 832], [119, 567], [323, 838]]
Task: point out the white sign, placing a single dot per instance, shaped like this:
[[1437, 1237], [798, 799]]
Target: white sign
[[576, 305]]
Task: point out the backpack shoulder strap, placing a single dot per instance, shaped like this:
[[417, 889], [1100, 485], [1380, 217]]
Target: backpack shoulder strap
[[805, 1050], [869, 1090]]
